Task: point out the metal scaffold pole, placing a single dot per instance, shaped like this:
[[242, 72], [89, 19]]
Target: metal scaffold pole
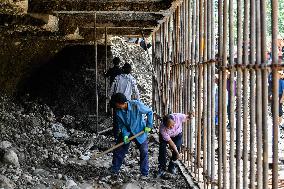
[[96, 74]]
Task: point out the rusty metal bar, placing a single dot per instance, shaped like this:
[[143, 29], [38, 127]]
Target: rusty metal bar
[[213, 113], [220, 140], [232, 97], [106, 67], [209, 92], [245, 93], [198, 99], [220, 95], [239, 95], [205, 98], [188, 76], [252, 95], [264, 93], [193, 81], [96, 76], [275, 98], [212, 8], [204, 143], [224, 91], [258, 99]]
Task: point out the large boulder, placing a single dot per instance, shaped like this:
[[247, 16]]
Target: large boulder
[[4, 145], [70, 184], [6, 183], [86, 186], [10, 157], [130, 186]]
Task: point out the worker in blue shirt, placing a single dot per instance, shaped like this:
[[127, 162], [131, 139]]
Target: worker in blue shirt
[[281, 96], [280, 93], [130, 119]]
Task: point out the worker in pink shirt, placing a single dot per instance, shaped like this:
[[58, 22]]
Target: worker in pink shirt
[[171, 133]]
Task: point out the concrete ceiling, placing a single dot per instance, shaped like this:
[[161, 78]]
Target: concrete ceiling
[[61, 18]]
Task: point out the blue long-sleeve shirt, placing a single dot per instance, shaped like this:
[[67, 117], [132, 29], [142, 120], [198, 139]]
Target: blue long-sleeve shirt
[[131, 121]]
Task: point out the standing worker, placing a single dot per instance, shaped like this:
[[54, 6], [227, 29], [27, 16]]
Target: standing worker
[[114, 71], [171, 133], [125, 84], [130, 118]]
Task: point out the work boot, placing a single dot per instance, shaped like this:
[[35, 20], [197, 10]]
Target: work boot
[[172, 168], [144, 177], [160, 173]]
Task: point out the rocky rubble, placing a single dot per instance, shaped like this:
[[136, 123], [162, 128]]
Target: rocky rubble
[[141, 65], [31, 156]]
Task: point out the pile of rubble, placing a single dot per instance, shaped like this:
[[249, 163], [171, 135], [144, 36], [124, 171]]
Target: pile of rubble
[[141, 63], [38, 150]]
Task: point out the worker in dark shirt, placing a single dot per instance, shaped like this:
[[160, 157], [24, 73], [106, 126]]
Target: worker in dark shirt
[[114, 71]]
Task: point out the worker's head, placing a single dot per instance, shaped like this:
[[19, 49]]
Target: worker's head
[[168, 121], [281, 74], [116, 61], [119, 101], [127, 68]]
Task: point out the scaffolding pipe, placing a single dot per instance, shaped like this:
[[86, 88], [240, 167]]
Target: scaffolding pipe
[[259, 158], [252, 95], [245, 93], [96, 76], [232, 97], [275, 98], [264, 94], [106, 67]]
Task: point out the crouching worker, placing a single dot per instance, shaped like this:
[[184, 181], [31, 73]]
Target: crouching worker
[[130, 120], [170, 133]]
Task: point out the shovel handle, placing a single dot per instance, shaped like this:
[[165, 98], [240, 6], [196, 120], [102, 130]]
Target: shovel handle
[[116, 146]]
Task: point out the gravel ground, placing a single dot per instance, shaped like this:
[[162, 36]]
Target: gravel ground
[[39, 151]]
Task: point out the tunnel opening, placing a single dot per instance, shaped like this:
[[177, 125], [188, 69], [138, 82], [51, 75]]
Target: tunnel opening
[[66, 82]]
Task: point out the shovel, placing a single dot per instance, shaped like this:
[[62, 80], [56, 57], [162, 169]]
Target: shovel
[[115, 147]]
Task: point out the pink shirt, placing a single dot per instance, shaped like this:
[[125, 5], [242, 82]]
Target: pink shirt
[[177, 129]]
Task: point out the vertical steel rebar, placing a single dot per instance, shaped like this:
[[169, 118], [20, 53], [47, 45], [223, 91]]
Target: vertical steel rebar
[[210, 75], [205, 124], [220, 139], [96, 74], [220, 50], [239, 95], [232, 96], [252, 95], [194, 69], [258, 99], [224, 91], [205, 97], [275, 98], [245, 93], [212, 9], [188, 77], [264, 94], [198, 100], [196, 121], [106, 67], [213, 113]]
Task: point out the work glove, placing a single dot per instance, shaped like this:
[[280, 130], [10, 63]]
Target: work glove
[[126, 139], [147, 129]]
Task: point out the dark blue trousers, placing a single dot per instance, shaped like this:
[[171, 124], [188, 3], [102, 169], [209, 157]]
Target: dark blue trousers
[[119, 154], [163, 151]]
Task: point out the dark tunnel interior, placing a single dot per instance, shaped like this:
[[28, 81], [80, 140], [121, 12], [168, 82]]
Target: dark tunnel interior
[[65, 82]]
